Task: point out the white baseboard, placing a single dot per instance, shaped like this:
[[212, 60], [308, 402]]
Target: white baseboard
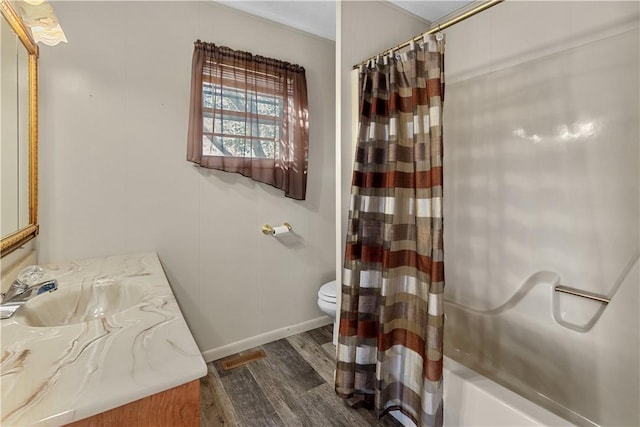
[[245, 344]]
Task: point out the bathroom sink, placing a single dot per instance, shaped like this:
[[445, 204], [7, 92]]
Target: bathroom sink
[[111, 334], [79, 304]]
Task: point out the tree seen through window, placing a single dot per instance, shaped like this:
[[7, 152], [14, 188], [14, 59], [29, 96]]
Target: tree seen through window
[[245, 124]]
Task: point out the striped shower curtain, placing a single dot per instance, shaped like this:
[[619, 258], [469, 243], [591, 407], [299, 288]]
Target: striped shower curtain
[[391, 320]]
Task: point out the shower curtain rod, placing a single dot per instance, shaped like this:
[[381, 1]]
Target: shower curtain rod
[[447, 24]]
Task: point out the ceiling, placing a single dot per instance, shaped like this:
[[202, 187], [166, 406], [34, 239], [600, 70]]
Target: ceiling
[[319, 17]]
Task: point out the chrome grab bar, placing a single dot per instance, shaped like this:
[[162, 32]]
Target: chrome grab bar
[[583, 294]]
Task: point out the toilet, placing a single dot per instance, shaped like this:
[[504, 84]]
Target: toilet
[[327, 299]]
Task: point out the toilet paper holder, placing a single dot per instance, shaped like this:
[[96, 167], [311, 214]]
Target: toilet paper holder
[[268, 229]]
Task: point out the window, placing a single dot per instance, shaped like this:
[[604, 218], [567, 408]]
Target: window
[[249, 115], [226, 134]]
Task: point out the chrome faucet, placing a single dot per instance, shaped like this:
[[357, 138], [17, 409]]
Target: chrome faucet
[[19, 293]]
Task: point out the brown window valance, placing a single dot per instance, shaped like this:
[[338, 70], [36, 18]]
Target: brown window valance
[[249, 115]]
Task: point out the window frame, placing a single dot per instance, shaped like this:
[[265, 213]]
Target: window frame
[[217, 88]]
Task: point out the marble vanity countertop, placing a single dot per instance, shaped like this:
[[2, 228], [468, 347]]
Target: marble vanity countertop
[[72, 368]]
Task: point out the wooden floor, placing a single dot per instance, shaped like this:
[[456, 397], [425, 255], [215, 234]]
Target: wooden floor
[[292, 386]]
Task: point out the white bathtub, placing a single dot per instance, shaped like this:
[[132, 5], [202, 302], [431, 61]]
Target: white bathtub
[[473, 400]]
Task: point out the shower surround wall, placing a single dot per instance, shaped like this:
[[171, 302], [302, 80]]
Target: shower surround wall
[[542, 174], [114, 178]]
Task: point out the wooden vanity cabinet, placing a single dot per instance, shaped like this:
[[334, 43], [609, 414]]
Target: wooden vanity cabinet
[[179, 406]]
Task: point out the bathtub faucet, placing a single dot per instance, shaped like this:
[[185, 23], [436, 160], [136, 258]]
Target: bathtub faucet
[[19, 293]]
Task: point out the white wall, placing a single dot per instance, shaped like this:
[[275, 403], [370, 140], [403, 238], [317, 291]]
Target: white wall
[[114, 179], [542, 174]]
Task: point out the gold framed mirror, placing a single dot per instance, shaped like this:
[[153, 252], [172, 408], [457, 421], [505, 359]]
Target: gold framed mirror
[[19, 134]]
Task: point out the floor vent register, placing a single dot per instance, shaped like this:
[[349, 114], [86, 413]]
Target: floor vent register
[[237, 361]]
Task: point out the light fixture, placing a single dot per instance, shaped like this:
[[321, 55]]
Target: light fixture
[[39, 17]]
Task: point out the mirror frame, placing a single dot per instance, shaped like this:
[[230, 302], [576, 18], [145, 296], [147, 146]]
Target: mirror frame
[[31, 230]]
